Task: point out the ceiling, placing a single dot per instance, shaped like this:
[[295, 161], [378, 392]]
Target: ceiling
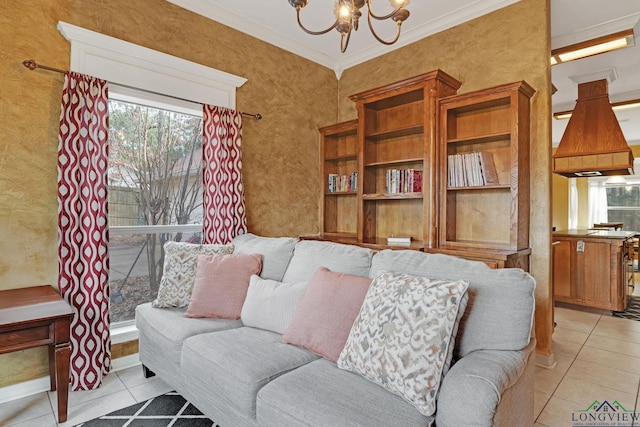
[[572, 21]]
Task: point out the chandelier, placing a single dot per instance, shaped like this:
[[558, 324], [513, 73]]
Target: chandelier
[[348, 15]]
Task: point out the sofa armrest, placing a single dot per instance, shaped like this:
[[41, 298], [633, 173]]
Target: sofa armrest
[[473, 388]]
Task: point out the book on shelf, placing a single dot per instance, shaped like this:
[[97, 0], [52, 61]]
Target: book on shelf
[[399, 240], [471, 169], [403, 181], [342, 183]]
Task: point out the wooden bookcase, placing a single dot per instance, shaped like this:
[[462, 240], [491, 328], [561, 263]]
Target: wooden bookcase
[[397, 130], [339, 153], [417, 124], [492, 216]]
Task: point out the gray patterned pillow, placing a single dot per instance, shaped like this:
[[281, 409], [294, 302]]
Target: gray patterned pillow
[[179, 274], [404, 335]]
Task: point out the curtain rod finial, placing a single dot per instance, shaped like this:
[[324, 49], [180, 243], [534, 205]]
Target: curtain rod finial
[[30, 64]]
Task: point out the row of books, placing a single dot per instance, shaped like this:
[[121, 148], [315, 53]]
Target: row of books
[[403, 181], [343, 183], [471, 169]]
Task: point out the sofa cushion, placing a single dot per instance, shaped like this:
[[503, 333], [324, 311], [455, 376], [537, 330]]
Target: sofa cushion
[[221, 285], [319, 394], [499, 313], [276, 252], [403, 336], [309, 255], [162, 331], [325, 316], [231, 366], [179, 271], [270, 305]]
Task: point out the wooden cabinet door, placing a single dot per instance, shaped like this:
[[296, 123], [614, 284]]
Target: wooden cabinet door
[[595, 271], [562, 271]]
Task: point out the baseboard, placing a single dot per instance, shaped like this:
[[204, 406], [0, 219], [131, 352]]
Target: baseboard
[[125, 362], [24, 389], [38, 385]]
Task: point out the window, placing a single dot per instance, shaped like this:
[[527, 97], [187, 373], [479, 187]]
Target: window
[[616, 199], [154, 194], [623, 205], [118, 61]]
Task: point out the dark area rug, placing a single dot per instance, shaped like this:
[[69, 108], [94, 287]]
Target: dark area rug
[[633, 309], [170, 409]]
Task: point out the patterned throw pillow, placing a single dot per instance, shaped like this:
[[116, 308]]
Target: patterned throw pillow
[[404, 335], [179, 274]]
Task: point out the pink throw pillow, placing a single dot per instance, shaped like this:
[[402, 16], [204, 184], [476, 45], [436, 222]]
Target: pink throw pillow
[[221, 285], [326, 313]]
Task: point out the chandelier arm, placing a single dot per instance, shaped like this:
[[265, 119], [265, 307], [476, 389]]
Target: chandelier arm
[[370, 13], [343, 45], [315, 33], [381, 40]]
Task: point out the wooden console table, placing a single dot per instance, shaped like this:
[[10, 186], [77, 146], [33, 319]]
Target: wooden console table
[[36, 316]]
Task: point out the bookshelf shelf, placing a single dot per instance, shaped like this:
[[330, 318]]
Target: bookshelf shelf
[[481, 139], [341, 193], [392, 196], [343, 158], [392, 163], [395, 133], [481, 187]]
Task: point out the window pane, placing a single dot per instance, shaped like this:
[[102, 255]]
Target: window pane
[[623, 205], [155, 179], [623, 196]]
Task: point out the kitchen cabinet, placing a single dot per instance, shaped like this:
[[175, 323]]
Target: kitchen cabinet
[[593, 268]]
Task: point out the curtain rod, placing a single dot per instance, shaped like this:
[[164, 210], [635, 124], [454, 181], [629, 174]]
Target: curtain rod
[[32, 65]]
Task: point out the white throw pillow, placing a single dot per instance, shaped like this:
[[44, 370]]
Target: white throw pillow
[[404, 335], [179, 271], [270, 305]]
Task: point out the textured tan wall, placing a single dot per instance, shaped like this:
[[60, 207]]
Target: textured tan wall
[[280, 153], [508, 45], [560, 202]]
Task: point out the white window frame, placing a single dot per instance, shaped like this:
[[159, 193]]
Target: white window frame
[[127, 67]]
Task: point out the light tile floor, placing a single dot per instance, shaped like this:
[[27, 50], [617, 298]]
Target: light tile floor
[[119, 390], [598, 358]]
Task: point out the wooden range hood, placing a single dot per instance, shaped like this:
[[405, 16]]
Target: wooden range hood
[[593, 143]]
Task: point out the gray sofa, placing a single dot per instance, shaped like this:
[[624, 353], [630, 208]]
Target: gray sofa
[[244, 376]]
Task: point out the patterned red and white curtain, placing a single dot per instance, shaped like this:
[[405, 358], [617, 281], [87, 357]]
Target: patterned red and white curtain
[[223, 199], [82, 225]]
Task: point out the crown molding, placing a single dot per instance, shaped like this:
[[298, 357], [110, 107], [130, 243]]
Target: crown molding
[[426, 29], [340, 62], [255, 29], [610, 75]]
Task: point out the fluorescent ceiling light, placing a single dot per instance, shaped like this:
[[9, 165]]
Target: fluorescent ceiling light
[[616, 106], [596, 46]]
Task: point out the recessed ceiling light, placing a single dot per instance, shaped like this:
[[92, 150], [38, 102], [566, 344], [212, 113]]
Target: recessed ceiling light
[[596, 46]]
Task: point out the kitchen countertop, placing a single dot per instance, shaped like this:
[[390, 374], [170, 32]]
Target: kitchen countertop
[[588, 233]]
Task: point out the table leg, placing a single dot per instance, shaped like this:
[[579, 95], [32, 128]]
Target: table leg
[[52, 366], [62, 357]]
